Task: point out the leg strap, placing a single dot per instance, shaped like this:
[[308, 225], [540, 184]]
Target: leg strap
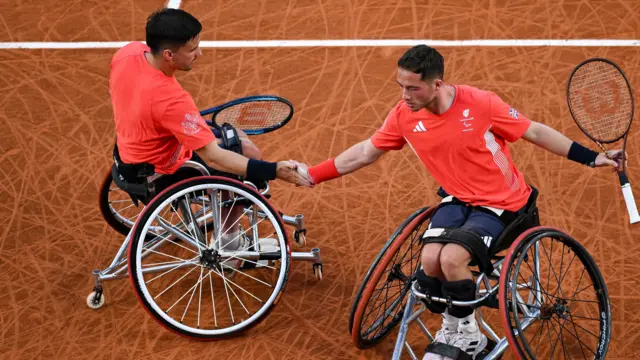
[[471, 241]]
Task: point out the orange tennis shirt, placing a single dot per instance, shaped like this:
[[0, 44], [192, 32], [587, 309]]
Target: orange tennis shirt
[[465, 148], [157, 121]]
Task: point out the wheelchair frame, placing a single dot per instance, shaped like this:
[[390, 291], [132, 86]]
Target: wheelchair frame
[[526, 247], [410, 315], [118, 267]]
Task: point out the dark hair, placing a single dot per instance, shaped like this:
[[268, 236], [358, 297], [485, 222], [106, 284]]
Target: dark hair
[[170, 28], [423, 60]]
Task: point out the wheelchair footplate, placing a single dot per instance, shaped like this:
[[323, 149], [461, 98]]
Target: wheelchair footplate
[[455, 353]]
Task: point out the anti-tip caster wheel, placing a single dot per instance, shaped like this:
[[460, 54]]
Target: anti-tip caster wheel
[[95, 300], [317, 271], [300, 237]]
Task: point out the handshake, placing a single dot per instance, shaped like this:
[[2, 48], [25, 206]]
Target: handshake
[[294, 172]]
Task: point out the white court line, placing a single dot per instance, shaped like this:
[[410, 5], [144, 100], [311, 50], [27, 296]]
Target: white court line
[[340, 43], [174, 4]]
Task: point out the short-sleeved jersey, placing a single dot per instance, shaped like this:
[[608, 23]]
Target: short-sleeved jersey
[[156, 120], [465, 148]]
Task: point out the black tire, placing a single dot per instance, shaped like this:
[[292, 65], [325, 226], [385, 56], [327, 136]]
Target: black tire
[[109, 212], [388, 268]]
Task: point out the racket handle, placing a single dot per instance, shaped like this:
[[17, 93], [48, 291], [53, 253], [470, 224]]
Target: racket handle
[[632, 209]]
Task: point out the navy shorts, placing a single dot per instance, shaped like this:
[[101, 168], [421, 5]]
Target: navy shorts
[[462, 217]]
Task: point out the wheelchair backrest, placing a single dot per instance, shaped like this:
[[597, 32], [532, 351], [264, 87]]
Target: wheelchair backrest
[[527, 219]]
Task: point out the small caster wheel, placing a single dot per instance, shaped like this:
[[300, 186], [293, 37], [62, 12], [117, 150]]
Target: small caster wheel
[[300, 237], [317, 271], [95, 300]]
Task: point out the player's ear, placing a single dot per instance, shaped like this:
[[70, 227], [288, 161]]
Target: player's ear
[[167, 54], [437, 83]]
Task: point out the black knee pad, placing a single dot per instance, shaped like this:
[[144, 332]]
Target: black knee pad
[[461, 290], [432, 286]]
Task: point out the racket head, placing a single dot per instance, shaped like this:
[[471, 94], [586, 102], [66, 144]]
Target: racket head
[[254, 115], [600, 100]]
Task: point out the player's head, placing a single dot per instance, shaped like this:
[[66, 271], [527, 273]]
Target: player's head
[[174, 36], [420, 75]]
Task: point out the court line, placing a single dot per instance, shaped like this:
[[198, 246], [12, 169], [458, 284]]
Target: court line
[[342, 43], [174, 4]]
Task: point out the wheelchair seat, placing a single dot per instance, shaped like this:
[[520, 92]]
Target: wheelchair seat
[[516, 224], [139, 181]]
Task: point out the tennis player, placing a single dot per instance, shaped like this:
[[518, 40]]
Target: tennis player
[[157, 121], [461, 135]]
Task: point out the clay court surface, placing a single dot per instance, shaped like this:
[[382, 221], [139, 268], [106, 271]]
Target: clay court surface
[[56, 134]]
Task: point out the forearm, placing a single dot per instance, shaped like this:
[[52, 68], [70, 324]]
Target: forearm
[[352, 159], [550, 139], [226, 161], [555, 142], [230, 162]]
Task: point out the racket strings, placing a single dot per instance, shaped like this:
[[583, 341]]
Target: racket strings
[[254, 115], [601, 101]]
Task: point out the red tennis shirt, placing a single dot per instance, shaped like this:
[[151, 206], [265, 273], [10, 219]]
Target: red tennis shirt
[[157, 121], [465, 148]]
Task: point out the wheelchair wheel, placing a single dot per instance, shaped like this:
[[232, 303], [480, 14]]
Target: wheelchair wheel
[[200, 286], [380, 301], [116, 206], [553, 299]]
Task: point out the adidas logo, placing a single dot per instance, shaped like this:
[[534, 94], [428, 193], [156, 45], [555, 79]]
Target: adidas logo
[[487, 240], [419, 127]]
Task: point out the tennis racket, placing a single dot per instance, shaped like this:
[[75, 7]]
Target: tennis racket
[[601, 103], [254, 115]]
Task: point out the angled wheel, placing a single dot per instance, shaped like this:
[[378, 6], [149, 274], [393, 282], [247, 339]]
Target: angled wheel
[[116, 206], [203, 286], [380, 301], [553, 300]]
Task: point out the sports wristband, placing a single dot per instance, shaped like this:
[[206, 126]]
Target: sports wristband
[[258, 170], [582, 155], [324, 171]]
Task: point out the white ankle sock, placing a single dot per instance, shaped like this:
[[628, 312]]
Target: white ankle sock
[[450, 322], [231, 234], [469, 322], [230, 241]]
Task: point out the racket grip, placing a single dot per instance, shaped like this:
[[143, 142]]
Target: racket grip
[[632, 209]]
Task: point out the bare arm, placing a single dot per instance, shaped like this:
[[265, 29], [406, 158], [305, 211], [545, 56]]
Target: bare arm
[[223, 160], [548, 138], [553, 141], [228, 161], [357, 156]]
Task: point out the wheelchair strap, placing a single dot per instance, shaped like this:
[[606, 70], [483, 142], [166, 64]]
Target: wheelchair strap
[[230, 138], [471, 241], [135, 191], [448, 351], [131, 178]]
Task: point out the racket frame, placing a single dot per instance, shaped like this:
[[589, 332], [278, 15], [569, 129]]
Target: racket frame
[[216, 109], [627, 193]]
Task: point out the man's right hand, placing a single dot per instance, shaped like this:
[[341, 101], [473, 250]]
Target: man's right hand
[[288, 171]]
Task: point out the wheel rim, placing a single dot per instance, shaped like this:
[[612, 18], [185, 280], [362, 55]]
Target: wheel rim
[[247, 294], [561, 307]]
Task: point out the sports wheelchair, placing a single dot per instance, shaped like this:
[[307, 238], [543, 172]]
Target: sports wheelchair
[[550, 295], [180, 271]]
